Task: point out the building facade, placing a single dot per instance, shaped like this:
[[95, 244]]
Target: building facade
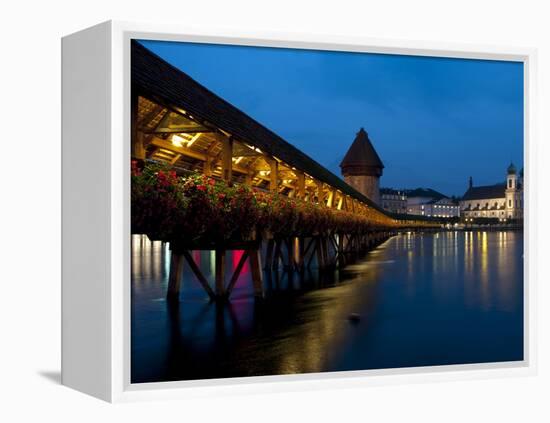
[[499, 201], [444, 207], [393, 200], [430, 203], [362, 167]]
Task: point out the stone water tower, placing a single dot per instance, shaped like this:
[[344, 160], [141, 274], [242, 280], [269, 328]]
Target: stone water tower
[[362, 167]]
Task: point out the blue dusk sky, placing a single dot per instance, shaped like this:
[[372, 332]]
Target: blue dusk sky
[[433, 121]]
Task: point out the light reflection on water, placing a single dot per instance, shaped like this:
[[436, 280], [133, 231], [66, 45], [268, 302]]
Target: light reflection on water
[[423, 299]]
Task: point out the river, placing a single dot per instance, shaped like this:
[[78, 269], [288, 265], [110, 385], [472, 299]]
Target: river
[[417, 300]]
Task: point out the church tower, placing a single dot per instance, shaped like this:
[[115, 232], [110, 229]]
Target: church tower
[[513, 194], [362, 167]]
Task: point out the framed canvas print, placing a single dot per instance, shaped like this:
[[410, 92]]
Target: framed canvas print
[[253, 212]]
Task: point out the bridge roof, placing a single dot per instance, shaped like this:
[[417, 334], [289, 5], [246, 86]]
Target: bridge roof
[[164, 83]]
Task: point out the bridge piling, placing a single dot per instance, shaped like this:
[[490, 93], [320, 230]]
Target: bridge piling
[[175, 276], [269, 254], [255, 259], [220, 273]]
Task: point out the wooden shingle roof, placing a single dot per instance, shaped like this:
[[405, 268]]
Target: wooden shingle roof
[[362, 153], [160, 81]]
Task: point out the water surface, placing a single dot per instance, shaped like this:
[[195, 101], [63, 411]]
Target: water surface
[[422, 299]]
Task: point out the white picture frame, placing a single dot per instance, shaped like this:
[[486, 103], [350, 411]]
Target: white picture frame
[[96, 229]]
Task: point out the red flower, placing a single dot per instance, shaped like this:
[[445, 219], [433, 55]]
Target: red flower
[[201, 187]]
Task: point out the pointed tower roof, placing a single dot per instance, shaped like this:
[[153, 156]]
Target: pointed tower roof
[[362, 158], [511, 169]]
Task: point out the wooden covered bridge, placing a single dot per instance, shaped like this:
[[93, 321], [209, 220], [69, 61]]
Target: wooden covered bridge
[[178, 121]]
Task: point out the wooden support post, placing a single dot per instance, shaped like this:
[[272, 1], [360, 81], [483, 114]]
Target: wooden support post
[[320, 194], [138, 137], [236, 274], [320, 253], [276, 255], [227, 156], [340, 245], [341, 203], [273, 175], [220, 273], [301, 185], [175, 276], [207, 166], [309, 245], [198, 273], [256, 272], [313, 242], [289, 265], [300, 253], [269, 254], [331, 195], [139, 151], [324, 245]]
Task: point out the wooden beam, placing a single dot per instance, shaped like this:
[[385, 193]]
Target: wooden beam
[[175, 159], [331, 197], [301, 185], [212, 145], [175, 276], [273, 175], [241, 149], [203, 281], [142, 124], [220, 273], [138, 145], [226, 157], [236, 274], [191, 130], [340, 202], [256, 272], [197, 155], [159, 142], [320, 194], [207, 166]]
